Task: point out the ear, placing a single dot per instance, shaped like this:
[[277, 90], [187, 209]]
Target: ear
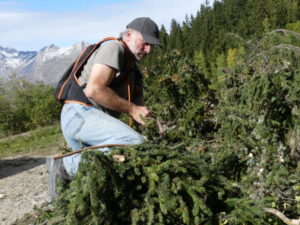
[[129, 33]]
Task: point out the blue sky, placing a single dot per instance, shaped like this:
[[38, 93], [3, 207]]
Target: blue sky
[[34, 24], [56, 5]]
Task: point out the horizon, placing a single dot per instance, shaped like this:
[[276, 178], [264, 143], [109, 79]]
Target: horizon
[[30, 25]]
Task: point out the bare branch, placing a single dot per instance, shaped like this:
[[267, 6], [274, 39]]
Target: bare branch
[[281, 216]]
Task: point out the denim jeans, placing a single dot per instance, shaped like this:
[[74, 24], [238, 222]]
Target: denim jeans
[[84, 126]]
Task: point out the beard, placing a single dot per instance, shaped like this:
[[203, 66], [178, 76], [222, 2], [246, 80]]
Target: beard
[[138, 54]]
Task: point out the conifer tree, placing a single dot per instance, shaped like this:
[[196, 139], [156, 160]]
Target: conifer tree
[[175, 40]]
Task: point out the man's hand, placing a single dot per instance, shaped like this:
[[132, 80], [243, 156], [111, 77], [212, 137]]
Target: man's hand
[[138, 113]]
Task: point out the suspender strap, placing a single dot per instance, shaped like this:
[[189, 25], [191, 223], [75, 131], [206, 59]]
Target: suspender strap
[[69, 88]]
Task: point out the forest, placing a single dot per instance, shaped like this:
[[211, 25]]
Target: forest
[[229, 81], [25, 106]]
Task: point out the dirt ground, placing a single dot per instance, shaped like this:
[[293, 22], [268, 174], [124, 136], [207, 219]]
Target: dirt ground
[[23, 185]]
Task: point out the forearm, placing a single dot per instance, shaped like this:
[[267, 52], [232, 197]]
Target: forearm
[[98, 90], [107, 98]]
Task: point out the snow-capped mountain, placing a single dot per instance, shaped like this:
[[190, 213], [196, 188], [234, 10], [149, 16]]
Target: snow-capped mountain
[[47, 64], [11, 60]]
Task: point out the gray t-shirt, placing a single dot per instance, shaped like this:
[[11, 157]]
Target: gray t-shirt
[[112, 53]]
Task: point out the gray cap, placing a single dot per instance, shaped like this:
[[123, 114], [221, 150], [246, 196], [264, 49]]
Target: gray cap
[[147, 28]]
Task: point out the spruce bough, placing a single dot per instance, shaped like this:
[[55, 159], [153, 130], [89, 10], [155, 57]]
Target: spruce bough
[[154, 185]]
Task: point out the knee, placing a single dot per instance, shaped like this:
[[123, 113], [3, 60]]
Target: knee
[[132, 138], [138, 139]]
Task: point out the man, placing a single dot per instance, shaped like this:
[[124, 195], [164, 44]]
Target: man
[[95, 124]]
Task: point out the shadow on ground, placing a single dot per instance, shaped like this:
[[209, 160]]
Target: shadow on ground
[[9, 167]]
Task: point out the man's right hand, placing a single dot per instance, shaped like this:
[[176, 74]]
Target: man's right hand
[[138, 113]]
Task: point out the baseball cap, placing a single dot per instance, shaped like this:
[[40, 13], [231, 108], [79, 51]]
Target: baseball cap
[[147, 28]]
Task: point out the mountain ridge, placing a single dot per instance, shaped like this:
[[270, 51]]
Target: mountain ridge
[[46, 65]]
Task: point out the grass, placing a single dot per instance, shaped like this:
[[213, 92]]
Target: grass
[[42, 141]]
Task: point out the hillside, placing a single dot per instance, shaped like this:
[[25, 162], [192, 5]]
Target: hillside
[[225, 89], [229, 153], [46, 65]]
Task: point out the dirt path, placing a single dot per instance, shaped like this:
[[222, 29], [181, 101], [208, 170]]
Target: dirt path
[[23, 185]]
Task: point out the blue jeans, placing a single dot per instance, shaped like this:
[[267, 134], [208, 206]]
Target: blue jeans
[[84, 126]]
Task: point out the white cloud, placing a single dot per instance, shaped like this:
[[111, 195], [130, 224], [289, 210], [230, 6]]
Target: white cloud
[[32, 31]]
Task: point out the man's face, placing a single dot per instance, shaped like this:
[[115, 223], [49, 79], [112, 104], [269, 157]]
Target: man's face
[[138, 46]]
